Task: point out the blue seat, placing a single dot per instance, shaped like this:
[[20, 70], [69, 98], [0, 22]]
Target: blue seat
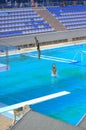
[[19, 22], [69, 15]]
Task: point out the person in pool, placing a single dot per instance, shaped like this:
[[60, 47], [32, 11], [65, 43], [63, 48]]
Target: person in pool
[[54, 71]]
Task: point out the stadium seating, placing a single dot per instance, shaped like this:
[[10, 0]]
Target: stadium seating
[[21, 22], [72, 17]]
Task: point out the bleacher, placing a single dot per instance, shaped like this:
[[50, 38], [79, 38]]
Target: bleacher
[[72, 17], [21, 22], [26, 21]]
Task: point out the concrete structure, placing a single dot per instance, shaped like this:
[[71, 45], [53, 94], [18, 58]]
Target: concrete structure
[[60, 36], [35, 121]]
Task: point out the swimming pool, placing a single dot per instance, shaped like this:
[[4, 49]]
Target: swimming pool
[[29, 78]]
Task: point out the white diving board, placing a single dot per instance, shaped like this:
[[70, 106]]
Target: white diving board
[[34, 101]]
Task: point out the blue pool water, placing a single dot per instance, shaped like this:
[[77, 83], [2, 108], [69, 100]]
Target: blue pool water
[[29, 78]]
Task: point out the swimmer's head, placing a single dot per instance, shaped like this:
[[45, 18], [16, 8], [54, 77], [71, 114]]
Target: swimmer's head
[[54, 72], [54, 66]]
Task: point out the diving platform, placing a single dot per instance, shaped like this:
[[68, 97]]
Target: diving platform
[[3, 67]]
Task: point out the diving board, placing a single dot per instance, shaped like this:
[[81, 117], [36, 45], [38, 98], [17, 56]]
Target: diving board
[[3, 67], [66, 60], [34, 101]]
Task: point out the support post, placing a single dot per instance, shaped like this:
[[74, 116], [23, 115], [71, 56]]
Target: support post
[[6, 58], [38, 47]]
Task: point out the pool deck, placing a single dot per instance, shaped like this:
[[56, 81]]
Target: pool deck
[[35, 121], [5, 123]]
